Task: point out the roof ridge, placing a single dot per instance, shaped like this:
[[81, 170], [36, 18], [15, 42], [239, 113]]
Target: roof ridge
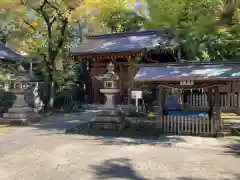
[[188, 64], [136, 33]]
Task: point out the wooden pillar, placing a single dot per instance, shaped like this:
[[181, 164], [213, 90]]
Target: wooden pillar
[[210, 102], [132, 67], [130, 82], [218, 110], [95, 91], [94, 86], [121, 83], [238, 98], [238, 103], [161, 103]]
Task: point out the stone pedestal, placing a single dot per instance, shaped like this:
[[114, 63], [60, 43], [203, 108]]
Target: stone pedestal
[[110, 117], [111, 99], [20, 113]]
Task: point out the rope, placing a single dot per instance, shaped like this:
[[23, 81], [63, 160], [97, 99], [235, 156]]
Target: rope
[[192, 88]]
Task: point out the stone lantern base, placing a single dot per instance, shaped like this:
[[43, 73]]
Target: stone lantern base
[[110, 118], [20, 113]]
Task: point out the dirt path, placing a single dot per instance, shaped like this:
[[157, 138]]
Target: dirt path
[[71, 157], [13, 138], [44, 152]]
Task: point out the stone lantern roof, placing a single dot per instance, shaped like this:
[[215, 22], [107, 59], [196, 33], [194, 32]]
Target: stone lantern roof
[[21, 75]]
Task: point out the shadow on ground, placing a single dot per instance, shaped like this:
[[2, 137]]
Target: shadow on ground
[[122, 168], [133, 134], [130, 130], [62, 122], [233, 149], [162, 140], [116, 168]]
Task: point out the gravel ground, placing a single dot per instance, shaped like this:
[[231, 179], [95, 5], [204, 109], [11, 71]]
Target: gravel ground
[[43, 152], [72, 157]]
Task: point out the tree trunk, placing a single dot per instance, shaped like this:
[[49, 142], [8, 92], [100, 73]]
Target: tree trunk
[[51, 95], [51, 91]]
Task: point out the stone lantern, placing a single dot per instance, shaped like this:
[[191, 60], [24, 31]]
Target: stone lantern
[[20, 111], [110, 117], [110, 89]]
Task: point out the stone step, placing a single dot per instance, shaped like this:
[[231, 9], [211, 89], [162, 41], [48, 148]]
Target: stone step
[[108, 119], [14, 116]]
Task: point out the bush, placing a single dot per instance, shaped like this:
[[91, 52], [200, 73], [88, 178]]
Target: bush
[[6, 100]]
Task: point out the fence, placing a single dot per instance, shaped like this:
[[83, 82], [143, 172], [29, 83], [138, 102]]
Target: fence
[[192, 125], [227, 101]]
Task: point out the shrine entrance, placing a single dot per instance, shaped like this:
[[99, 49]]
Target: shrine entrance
[[124, 50]]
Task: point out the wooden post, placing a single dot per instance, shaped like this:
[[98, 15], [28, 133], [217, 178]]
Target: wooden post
[[211, 120], [210, 102], [218, 110], [130, 82], [95, 86], [238, 98], [161, 103], [238, 103], [121, 83]]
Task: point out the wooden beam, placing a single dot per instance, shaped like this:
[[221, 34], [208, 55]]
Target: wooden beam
[[218, 110], [161, 102], [210, 101], [121, 82], [197, 86], [238, 102], [100, 64], [129, 81], [110, 55]]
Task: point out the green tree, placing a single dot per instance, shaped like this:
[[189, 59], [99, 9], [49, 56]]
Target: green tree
[[197, 26], [45, 33], [49, 28], [124, 20], [112, 16]]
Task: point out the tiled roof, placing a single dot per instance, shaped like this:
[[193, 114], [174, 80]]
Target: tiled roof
[[124, 42], [8, 55], [210, 71]]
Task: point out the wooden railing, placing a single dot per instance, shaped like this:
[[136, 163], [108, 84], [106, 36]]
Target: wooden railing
[[227, 101], [192, 125]]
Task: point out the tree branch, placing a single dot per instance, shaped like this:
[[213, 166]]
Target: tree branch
[[31, 26], [56, 9], [52, 21], [43, 5], [61, 39]]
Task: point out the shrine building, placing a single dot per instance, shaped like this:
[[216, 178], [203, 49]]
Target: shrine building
[[125, 51]]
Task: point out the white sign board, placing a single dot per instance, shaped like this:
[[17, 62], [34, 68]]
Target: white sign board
[[187, 83], [136, 94]]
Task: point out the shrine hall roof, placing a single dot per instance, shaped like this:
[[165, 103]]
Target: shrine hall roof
[[181, 72], [8, 55], [124, 42]]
